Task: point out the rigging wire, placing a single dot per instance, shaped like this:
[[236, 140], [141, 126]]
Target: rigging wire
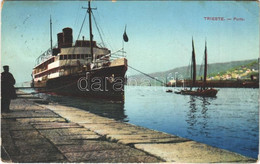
[[82, 24], [98, 29], [77, 15], [108, 36]]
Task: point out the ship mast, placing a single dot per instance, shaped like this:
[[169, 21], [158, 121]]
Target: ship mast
[[90, 32], [193, 65], [51, 33], [206, 64]]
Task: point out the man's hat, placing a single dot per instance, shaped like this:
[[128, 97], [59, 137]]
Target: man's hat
[[5, 66]]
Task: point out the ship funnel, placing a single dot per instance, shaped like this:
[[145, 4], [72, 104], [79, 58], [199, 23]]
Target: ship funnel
[[67, 37], [60, 39]]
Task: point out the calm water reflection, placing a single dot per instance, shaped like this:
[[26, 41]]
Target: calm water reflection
[[229, 121], [197, 118]]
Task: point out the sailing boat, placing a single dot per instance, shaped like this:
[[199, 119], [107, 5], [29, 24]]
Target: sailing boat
[[203, 91]]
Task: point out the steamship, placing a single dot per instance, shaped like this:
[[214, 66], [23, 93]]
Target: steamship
[[80, 69]]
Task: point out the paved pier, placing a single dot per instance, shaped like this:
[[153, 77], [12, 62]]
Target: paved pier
[[42, 132]]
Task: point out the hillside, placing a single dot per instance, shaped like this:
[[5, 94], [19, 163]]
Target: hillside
[[215, 69], [245, 71]]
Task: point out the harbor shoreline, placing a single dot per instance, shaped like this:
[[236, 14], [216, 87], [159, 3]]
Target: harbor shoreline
[[220, 84]]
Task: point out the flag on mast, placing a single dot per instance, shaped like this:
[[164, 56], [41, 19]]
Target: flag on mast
[[125, 37]]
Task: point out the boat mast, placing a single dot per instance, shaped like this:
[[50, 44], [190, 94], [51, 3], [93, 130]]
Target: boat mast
[[205, 65], [193, 65], [51, 33], [90, 31]]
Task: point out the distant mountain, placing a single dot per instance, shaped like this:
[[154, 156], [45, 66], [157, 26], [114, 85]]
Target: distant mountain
[[184, 72]]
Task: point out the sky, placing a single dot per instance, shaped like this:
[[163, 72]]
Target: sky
[[160, 32]]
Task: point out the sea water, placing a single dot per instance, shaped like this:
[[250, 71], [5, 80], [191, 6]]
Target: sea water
[[229, 121]]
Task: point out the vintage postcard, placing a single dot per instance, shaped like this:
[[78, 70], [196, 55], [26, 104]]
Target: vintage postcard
[[129, 81]]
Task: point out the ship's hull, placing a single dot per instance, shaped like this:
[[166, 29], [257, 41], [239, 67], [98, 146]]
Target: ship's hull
[[105, 83]]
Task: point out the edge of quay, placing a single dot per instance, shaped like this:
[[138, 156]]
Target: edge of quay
[[66, 127]]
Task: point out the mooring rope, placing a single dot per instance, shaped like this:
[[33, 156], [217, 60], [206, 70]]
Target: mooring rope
[[70, 84], [147, 75]]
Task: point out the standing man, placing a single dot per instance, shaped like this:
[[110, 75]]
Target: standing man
[[7, 89]]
